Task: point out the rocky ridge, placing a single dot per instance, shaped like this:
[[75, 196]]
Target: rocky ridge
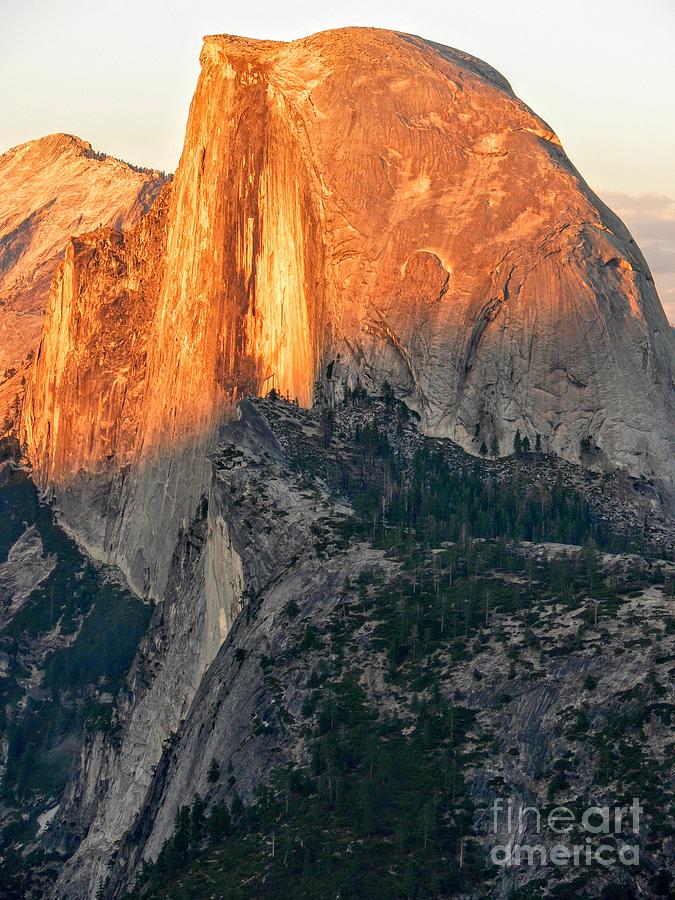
[[294, 574], [276, 501], [50, 190]]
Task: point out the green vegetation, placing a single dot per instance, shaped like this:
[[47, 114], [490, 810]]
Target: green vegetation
[[78, 631], [434, 500], [380, 802], [373, 811], [380, 806]]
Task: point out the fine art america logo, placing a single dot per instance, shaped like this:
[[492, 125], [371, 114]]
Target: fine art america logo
[[516, 822]]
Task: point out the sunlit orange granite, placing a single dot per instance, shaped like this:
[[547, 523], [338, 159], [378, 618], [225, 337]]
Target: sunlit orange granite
[[377, 202], [50, 190]]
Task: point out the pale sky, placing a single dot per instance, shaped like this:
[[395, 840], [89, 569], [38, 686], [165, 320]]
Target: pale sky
[[121, 74]]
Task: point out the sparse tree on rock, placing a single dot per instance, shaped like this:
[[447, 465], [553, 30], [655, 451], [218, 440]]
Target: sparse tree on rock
[[213, 774]]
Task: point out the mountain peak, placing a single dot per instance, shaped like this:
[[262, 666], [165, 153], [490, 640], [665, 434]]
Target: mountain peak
[[62, 146], [353, 39], [50, 146]]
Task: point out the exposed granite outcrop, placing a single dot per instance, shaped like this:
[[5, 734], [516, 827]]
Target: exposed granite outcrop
[[359, 204], [252, 543], [26, 567], [285, 572], [51, 189]]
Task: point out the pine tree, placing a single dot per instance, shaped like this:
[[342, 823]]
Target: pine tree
[[327, 425], [178, 845], [518, 442], [537, 444], [213, 774], [237, 806], [525, 445], [197, 821], [219, 824], [483, 449]]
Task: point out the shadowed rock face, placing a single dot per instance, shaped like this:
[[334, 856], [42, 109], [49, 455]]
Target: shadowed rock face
[[50, 190], [385, 204]]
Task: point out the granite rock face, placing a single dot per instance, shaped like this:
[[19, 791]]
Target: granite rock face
[[121, 807], [25, 568], [363, 204], [352, 208], [115, 770], [83, 404], [285, 572], [50, 190]]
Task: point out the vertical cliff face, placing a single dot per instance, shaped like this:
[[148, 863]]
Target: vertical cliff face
[[83, 404], [117, 769], [241, 304], [99, 313], [386, 204], [50, 190]]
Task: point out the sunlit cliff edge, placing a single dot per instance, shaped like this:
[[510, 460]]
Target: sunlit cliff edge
[[50, 190]]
